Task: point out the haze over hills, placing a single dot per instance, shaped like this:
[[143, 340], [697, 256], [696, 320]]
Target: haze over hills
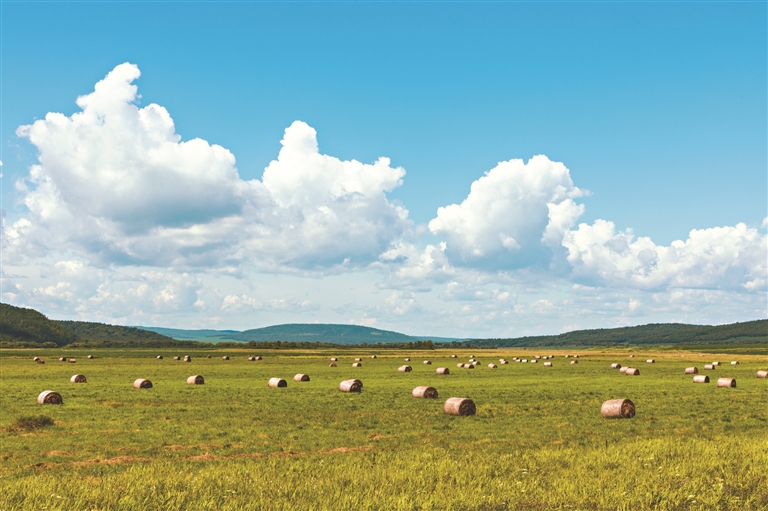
[[22, 327]]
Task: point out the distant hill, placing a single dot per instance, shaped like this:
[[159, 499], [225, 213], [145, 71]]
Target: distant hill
[[178, 333], [100, 333], [21, 327], [673, 334], [334, 334]]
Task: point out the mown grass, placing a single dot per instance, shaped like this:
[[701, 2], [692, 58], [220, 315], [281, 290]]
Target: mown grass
[[537, 442]]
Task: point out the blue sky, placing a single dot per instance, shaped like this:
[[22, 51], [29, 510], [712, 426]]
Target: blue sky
[[657, 110]]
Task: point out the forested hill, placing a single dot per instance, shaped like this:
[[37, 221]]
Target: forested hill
[[20, 327], [334, 334], [750, 332], [100, 333]]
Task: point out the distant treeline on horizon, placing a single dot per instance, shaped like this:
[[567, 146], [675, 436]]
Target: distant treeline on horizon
[[28, 328]]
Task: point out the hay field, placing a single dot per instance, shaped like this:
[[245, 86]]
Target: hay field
[[538, 440]]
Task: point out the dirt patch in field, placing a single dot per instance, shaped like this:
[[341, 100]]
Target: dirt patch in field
[[62, 453], [376, 436], [177, 447], [347, 449], [285, 453], [208, 456], [35, 434], [87, 463]]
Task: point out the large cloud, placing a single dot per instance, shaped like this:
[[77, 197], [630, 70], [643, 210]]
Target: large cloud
[[116, 184], [513, 216]]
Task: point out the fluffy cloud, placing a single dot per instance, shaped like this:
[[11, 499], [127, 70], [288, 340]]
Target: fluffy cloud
[[513, 216], [117, 184], [719, 258]]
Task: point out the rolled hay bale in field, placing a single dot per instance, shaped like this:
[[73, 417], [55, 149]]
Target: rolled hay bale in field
[[503, 362], [425, 392], [36, 359], [573, 362], [547, 364], [691, 370], [177, 358], [631, 356], [615, 366], [251, 359], [209, 356], [650, 361], [461, 406], [534, 361], [357, 364], [277, 382], [373, 356], [72, 360], [453, 356], [492, 366], [468, 366], [734, 362], [225, 357], [709, 367], [618, 409], [334, 359], [537, 357], [332, 364], [62, 359], [715, 364], [567, 356], [476, 363], [631, 371], [90, 357], [460, 365], [187, 358], [575, 356], [159, 357], [40, 361], [702, 378], [427, 362], [358, 359], [407, 359], [78, 378], [301, 377], [142, 383], [442, 370], [257, 358], [49, 397], [405, 369], [726, 382], [524, 361], [351, 386], [762, 374], [623, 369], [195, 379]]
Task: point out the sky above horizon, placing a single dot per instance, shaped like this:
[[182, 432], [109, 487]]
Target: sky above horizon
[[448, 169]]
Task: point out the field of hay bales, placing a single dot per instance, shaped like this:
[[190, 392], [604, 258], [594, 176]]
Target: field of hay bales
[[537, 441]]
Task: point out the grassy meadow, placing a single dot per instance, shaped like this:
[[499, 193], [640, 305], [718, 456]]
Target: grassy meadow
[[538, 440]]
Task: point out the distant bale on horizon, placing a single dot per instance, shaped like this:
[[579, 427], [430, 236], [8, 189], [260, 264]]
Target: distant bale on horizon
[[405, 369]]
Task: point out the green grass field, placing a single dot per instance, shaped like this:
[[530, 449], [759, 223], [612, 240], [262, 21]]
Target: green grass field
[[538, 440]]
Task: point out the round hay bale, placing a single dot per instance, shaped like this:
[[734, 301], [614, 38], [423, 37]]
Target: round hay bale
[[460, 365], [62, 359], [49, 397], [373, 356], [40, 361], [301, 377], [618, 409], [702, 378], [225, 357], [177, 358], [735, 363], [633, 372], [427, 362], [631, 356], [726, 382], [257, 358], [567, 356], [277, 383], [503, 362], [460, 406], [715, 364], [650, 361], [709, 367], [524, 361], [575, 356], [357, 364], [332, 364], [36, 359], [195, 379], [453, 356], [442, 370], [573, 362], [623, 369], [209, 356], [187, 358], [492, 366], [90, 357], [534, 361], [142, 383], [358, 360], [691, 370], [425, 392], [405, 369], [407, 359], [251, 359], [615, 366], [78, 378], [547, 364], [72, 360], [351, 386], [159, 357], [469, 366], [334, 359], [762, 374]]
